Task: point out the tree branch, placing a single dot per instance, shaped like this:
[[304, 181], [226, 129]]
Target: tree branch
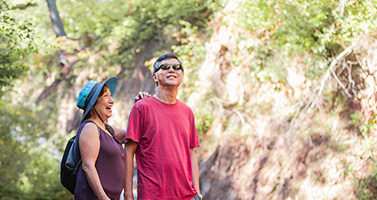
[[316, 94], [55, 19], [23, 6]]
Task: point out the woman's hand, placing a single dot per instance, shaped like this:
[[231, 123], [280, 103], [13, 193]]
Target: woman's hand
[[142, 95]]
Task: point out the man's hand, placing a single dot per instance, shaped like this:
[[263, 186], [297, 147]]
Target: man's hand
[[142, 95]]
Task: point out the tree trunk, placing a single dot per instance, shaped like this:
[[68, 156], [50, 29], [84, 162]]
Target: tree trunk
[[55, 18]]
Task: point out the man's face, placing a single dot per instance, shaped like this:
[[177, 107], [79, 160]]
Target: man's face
[[167, 75]]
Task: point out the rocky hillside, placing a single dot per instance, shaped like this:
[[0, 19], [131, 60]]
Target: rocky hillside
[[294, 142]]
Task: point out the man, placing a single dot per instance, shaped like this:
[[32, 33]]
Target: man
[[161, 132]]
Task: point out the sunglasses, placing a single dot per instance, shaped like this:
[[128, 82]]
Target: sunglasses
[[167, 67]]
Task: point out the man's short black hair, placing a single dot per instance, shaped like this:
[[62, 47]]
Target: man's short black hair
[[164, 57]]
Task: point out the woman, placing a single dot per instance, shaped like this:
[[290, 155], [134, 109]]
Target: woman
[[102, 174]]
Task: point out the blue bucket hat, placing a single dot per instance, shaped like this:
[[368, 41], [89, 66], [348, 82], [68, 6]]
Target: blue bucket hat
[[90, 92]]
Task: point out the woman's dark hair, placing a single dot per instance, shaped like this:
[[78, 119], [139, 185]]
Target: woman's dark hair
[[90, 113]]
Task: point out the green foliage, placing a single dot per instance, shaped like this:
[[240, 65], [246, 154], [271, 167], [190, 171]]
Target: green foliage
[[30, 147], [319, 177], [134, 25], [348, 169], [310, 25], [364, 127], [15, 43], [28, 165], [191, 51], [318, 29], [205, 115], [204, 121], [366, 188], [367, 127]]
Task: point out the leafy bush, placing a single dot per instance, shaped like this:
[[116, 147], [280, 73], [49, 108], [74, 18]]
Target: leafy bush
[[320, 29], [15, 42], [28, 158]]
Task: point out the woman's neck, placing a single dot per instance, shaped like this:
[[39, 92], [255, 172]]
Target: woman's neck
[[100, 124], [97, 121]]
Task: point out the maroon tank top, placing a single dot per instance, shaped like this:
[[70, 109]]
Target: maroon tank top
[[110, 167]]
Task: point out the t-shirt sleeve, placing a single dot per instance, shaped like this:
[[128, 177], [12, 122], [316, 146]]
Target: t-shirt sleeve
[[134, 128], [194, 139]]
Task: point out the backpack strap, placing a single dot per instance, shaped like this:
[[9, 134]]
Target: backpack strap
[[112, 132]]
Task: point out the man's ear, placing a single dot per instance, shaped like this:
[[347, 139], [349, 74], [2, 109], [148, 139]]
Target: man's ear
[[154, 77]]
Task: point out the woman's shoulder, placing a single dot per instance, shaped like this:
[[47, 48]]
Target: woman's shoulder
[[88, 123], [89, 127]]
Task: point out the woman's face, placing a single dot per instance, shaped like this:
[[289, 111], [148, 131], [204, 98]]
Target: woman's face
[[104, 104]]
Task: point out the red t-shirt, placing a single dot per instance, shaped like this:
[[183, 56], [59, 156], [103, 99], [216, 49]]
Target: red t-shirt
[[165, 133]]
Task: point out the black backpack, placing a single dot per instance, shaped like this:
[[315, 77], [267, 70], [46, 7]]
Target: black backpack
[[68, 165]]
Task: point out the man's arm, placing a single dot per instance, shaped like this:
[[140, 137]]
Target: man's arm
[[129, 161], [195, 170]]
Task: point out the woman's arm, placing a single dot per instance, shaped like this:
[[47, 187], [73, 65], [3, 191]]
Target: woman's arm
[[120, 134], [89, 150]]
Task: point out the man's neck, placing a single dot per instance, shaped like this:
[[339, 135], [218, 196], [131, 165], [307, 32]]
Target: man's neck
[[167, 95]]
